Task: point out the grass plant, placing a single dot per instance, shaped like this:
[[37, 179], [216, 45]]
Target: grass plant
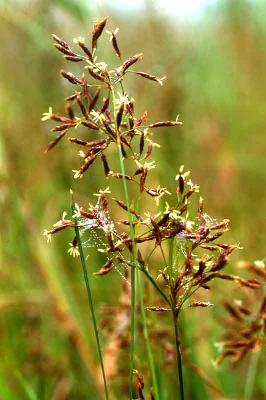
[[166, 239]]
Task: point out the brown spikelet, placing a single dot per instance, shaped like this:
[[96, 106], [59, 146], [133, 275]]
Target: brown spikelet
[[60, 41], [165, 123], [63, 127], [97, 31], [142, 119], [121, 204], [87, 164], [243, 310], [250, 283], [105, 165], [142, 181], [125, 141], [225, 354], [95, 98], [74, 58], [90, 125], [158, 309], [149, 151], [85, 91], [104, 202], [200, 304], [85, 49], [258, 270], [71, 77], [109, 129], [95, 75], [139, 384], [86, 214], [124, 207], [119, 175], [105, 269], [57, 117], [132, 60], [63, 225], [220, 263], [236, 344], [141, 143], [119, 115], [164, 219], [263, 308], [81, 106], [72, 97], [55, 141], [115, 44], [64, 50], [149, 76], [70, 111], [200, 208], [181, 185], [233, 311], [78, 141], [130, 108], [105, 105]]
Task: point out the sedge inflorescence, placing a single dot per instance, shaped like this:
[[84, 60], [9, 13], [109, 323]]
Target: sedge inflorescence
[[178, 248]]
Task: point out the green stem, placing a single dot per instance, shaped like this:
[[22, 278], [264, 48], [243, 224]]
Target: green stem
[[132, 276], [251, 375], [91, 305], [147, 339], [155, 284], [178, 355], [133, 259], [171, 260]]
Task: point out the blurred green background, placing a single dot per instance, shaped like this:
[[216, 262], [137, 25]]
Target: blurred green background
[[215, 62]]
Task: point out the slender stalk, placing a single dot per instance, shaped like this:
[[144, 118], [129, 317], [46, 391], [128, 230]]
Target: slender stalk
[[178, 355], [132, 277], [156, 286], [91, 305], [133, 258], [251, 375], [175, 313], [147, 339], [171, 259]]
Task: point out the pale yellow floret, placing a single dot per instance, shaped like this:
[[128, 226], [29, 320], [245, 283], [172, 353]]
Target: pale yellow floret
[[73, 251], [77, 174], [81, 154], [192, 186], [79, 40], [97, 117], [177, 120], [122, 99], [76, 211], [112, 33], [59, 223], [47, 116], [160, 80], [48, 235], [259, 264], [102, 191], [180, 173]]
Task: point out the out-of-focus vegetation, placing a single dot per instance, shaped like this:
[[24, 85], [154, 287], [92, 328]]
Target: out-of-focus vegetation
[[216, 81]]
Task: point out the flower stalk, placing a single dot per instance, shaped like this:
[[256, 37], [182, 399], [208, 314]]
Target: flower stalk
[[90, 299]]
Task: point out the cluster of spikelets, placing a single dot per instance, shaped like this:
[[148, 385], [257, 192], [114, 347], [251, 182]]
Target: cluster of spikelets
[[246, 322], [101, 106]]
